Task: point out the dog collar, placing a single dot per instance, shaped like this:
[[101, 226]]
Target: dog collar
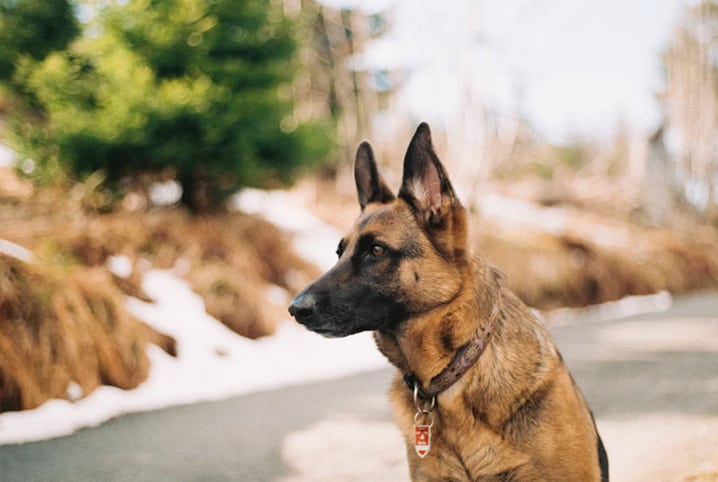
[[464, 359]]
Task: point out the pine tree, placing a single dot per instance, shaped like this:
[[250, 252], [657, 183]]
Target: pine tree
[[33, 28], [199, 89]]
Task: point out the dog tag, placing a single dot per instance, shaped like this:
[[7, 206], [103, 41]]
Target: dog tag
[[422, 439]]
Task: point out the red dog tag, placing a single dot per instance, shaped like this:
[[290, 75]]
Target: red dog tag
[[422, 441]]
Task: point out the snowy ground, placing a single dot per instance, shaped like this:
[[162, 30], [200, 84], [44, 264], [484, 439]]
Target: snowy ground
[[213, 362]]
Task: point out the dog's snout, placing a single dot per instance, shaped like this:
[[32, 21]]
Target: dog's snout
[[303, 306]]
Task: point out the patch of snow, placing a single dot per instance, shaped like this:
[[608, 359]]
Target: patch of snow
[[612, 310], [165, 193], [16, 251], [213, 363], [313, 239], [120, 266], [670, 335], [379, 441], [278, 295], [74, 391], [661, 445], [552, 220], [8, 158]]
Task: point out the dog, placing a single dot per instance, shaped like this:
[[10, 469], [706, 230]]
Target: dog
[[482, 393]]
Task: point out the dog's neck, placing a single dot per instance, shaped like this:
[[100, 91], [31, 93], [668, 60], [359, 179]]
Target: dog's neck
[[464, 358], [434, 349]]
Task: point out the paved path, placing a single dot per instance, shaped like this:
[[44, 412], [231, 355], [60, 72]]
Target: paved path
[[652, 381], [233, 440]]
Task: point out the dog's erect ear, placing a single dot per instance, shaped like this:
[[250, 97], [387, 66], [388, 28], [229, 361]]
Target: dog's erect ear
[[425, 184], [371, 187]]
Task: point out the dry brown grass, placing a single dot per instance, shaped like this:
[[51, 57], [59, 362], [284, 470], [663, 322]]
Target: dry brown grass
[[59, 326], [575, 268], [232, 259], [63, 317], [711, 476], [235, 297]]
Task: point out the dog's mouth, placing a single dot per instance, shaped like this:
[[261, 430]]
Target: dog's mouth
[[327, 328], [333, 329], [338, 320], [327, 332]]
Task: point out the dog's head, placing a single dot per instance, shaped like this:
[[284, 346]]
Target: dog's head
[[405, 255]]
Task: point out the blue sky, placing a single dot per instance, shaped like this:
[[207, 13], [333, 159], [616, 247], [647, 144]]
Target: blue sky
[[572, 67]]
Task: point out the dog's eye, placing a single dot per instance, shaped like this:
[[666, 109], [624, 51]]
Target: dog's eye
[[377, 250]]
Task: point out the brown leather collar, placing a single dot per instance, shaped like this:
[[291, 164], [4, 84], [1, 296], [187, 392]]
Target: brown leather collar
[[463, 359]]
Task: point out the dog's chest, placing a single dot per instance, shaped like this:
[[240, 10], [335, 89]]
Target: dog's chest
[[463, 447]]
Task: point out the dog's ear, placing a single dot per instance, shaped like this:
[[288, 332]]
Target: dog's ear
[[371, 187], [425, 185]]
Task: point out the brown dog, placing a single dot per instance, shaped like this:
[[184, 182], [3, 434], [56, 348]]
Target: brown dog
[[483, 394]]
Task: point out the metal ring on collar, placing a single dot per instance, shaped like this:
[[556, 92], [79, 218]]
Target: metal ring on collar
[[422, 412], [417, 403]]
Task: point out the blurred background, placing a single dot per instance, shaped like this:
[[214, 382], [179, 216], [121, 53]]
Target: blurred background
[[172, 172]]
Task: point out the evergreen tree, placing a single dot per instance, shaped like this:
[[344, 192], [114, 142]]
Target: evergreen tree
[[33, 28], [202, 89]]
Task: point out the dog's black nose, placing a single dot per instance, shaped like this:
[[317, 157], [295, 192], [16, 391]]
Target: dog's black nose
[[303, 306]]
